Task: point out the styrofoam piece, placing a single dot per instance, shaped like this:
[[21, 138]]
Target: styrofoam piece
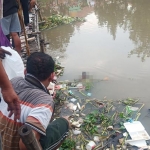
[[136, 130], [138, 143]]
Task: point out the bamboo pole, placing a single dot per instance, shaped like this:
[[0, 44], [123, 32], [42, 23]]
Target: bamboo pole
[[23, 27], [28, 138], [39, 13]]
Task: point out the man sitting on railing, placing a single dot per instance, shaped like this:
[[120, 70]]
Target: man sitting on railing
[[36, 107]]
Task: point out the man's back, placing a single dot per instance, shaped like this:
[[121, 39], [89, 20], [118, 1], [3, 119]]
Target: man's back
[[9, 7], [36, 111]]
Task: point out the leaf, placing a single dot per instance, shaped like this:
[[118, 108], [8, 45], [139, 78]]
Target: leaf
[[121, 115], [122, 128], [68, 144]]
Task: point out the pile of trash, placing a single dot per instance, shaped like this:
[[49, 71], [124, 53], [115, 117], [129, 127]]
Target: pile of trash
[[98, 124], [56, 20]]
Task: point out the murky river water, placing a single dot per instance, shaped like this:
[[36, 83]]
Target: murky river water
[[113, 44]]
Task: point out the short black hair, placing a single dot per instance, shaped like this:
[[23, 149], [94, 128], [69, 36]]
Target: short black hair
[[40, 65]]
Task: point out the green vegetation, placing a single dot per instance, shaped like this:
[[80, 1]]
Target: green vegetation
[[68, 144], [89, 123], [56, 20]]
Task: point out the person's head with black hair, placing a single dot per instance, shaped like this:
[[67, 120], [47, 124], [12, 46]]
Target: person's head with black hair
[[41, 66]]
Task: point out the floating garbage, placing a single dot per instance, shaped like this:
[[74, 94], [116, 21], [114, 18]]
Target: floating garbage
[[96, 139], [91, 145], [76, 132], [79, 107], [70, 92], [110, 128], [56, 20], [89, 94], [133, 108], [76, 124], [73, 100], [136, 130], [71, 106], [74, 107], [79, 85], [51, 88], [97, 124], [78, 147], [125, 134]]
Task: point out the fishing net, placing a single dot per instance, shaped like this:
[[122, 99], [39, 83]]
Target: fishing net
[[3, 39]]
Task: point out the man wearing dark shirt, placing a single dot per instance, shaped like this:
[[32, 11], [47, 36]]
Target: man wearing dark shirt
[[27, 5], [10, 22]]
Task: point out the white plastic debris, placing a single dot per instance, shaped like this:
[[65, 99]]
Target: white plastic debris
[[76, 132], [79, 107], [89, 94], [110, 128], [79, 85], [77, 115], [73, 100], [125, 134], [139, 143], [78, 147], [76, 123], [96, 139], [136, 130], [57, 57], [72, 106], [91, 145], [51, 88], [82, 114], [133, 108]]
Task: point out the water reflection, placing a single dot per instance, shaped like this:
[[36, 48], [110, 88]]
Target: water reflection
[[59, 38], [130, 15]]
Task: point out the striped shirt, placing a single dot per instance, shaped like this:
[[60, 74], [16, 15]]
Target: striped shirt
[[36, 111]]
